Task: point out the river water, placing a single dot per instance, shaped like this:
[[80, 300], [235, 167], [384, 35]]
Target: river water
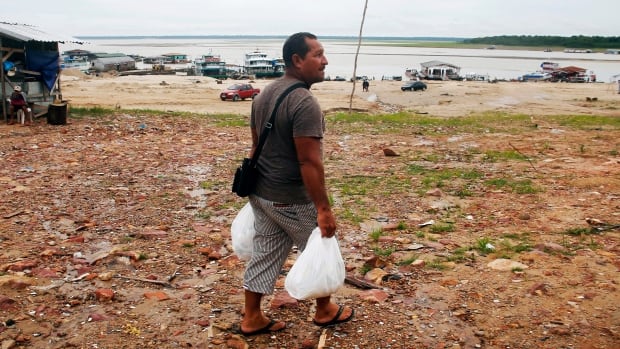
[[373, 61]]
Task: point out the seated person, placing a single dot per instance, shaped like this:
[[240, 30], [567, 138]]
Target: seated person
[[18, 101]]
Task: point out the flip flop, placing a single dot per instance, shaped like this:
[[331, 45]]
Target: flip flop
[[336, 319], [264, 330]]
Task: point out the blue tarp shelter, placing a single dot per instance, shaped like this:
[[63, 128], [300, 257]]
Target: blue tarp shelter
[[30, 59]]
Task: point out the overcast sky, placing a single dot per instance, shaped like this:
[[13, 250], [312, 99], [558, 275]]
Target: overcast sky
[[410, 18]]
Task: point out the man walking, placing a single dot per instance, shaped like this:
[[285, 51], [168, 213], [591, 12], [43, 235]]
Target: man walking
[[290, 198]]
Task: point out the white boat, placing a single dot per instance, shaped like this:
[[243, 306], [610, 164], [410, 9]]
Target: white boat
[[260, 65], [549, 67], [536, 76]]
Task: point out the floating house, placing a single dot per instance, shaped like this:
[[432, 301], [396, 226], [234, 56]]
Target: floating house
[[437, 70], [103, 62], [31, 60], [551, 71], [75, 59], [175, 58]]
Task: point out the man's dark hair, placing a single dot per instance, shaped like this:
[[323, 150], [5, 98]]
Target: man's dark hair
[[296, 44]]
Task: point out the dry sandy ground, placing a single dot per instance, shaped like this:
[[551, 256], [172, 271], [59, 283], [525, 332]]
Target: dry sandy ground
[[452, 98]]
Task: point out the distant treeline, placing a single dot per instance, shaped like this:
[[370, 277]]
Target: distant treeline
[[577, 41]]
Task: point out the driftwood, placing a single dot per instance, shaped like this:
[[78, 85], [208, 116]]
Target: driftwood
[[166, 283], [13, 214], [359, 283], [158, 282]]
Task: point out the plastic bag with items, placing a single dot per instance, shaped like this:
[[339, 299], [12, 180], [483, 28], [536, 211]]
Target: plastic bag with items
[[318, 271], [242, 233]]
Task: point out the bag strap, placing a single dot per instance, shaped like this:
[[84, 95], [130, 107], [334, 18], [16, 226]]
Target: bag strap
[[269, 124]]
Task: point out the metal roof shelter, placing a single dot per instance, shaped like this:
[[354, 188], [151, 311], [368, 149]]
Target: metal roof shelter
[[30, 59], [430, 64]]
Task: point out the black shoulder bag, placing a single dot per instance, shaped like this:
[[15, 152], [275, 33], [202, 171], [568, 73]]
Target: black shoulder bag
[[246, 174]]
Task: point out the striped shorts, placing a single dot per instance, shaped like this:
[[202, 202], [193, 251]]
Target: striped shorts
[[278, 227]]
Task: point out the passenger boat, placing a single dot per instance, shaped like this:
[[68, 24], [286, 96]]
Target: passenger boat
[[211, 66], [259, 65]]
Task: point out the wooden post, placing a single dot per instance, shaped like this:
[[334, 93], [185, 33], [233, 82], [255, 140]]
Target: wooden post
[[4, 116], [359, 42]]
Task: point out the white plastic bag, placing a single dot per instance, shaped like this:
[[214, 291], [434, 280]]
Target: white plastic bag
[[318, 271], [242, 233]]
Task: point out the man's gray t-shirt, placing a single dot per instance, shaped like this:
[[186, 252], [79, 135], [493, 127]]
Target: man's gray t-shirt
[[299, 115]]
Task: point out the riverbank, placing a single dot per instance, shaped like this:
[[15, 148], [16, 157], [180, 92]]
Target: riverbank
[[200, 94]]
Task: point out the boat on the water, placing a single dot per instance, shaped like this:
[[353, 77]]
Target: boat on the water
[[260, 65]]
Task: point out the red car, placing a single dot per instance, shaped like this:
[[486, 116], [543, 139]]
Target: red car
[[239, 92]]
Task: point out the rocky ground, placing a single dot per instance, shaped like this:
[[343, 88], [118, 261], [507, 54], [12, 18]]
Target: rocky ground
[[115, 233]]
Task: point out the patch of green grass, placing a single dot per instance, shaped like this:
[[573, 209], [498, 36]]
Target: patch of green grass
[[463, 193], [396, 122], [383, 252], [203, 214], [401, 118], [458, 257], [79, 112], [401, 226], [578, 231], [521, 247], [220, 120], [230, 120], [359, 185], [484, 246], [524, 186], [407, 261], [436, 264], [496, 155], [212, 185], [586, 122], [491, 121], [416, 169], [350, 216], [440, 178], [441, 228], [376, 234]]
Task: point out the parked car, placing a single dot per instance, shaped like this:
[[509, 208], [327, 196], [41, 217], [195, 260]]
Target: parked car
[[239, 92], [413, 86]]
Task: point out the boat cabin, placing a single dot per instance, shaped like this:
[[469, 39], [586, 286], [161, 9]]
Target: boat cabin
[[437, 70], [175, 58]]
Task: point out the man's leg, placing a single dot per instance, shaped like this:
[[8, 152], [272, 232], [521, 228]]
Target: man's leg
[[254, 319], [327, 312], [11, 111]]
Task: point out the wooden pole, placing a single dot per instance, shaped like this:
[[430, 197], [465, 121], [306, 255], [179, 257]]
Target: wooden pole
[[3, 87], [359, 42]]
